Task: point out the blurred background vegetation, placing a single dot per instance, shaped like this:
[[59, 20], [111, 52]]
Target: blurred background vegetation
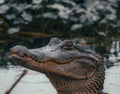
[[33, 22]]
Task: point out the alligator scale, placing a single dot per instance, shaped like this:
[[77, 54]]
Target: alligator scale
[[71, 68]]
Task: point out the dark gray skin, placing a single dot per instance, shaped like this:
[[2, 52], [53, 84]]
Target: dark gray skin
[[65, 64]]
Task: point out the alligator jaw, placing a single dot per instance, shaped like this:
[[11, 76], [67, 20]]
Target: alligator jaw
[[46, 61], [27, 62], [48, 66]]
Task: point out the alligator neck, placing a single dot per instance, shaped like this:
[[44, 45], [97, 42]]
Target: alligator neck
[[92, 85]]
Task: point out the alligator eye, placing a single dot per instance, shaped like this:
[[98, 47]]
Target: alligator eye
[[68, 46]]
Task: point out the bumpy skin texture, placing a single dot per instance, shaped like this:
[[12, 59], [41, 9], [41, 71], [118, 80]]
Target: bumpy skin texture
[[71, 68]]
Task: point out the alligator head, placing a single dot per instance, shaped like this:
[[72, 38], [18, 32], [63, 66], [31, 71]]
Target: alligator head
[[65, 63]]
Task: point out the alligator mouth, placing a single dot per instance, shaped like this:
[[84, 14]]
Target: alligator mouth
[[40, 65], [28, 56], [27, 62]]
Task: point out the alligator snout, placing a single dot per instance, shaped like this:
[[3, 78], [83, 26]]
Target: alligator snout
[[21, 50]]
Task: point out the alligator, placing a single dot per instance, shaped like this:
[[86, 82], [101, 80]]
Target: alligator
[[71, 68]]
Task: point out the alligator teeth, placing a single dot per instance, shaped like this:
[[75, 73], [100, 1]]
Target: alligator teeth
[[41, 64]]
